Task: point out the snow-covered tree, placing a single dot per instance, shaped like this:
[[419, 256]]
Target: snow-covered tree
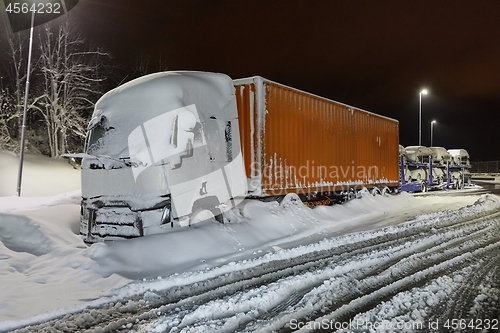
[[140, 67], [66, 80], [12, 85], [7, 114], [144, 66], [72, 76]]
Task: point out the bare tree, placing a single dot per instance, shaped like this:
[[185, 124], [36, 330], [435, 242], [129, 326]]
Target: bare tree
[[66, 81], [72, 77], [12, 86], [144, 66], [7, 114]]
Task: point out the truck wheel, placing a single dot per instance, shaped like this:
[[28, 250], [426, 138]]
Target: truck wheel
[[218, 216], [206, 214]]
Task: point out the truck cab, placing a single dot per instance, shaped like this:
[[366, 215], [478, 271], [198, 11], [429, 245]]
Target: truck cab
[[158, 150]]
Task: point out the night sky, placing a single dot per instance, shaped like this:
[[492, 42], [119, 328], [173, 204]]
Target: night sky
[[374, 55]]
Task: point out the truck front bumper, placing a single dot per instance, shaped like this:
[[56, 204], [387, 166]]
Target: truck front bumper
[[102, 220]]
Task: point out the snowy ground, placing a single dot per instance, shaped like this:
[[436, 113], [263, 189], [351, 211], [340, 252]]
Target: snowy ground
[[398, 260]]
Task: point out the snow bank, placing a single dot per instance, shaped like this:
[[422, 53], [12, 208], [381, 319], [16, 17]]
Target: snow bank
[[42, 176], [41, 252], [42, 262], [15, 204], [257, 228]]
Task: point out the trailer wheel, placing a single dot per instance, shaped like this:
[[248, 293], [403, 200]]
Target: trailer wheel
[[386, 191], [408, 178], [423, 187], [348, 196], [376, 191]]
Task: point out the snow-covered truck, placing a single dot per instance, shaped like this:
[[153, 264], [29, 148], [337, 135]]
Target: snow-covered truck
[[423, 168], [418, 158], [441, 165], [460, 167], [416, 169], [158, 149], [170, 149]]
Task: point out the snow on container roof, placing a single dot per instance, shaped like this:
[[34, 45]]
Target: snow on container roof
[[130, 105], [256, 79]]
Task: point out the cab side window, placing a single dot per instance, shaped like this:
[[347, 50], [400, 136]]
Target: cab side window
[[219, 140]]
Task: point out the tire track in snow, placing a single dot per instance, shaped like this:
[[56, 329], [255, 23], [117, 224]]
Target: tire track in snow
[[384, 267], [455, 241], [373, 296], [462, 305], [372, 289], [375, 258]]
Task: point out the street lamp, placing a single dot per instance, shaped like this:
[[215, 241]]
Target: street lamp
[[423, 92], [432, 130], [23, 128]]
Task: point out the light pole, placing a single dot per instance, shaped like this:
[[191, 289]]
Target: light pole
[[432, 130], [23, 128], [423, 92]]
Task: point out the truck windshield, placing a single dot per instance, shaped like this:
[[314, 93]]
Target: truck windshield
[[95, 135]]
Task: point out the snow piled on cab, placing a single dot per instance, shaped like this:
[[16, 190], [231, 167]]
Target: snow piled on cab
[[50, 271], [140, 100]]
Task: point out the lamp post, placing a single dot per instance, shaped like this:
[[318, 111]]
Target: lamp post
[[23, 128], [432, 130], [423, 92]]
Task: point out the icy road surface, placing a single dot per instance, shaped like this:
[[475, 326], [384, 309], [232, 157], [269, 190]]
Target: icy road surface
[[436, 272]]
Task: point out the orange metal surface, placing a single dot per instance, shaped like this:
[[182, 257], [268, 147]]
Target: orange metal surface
[[298, 142]]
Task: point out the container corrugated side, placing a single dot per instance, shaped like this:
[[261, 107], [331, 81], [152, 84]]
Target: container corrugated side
[[299, 142]]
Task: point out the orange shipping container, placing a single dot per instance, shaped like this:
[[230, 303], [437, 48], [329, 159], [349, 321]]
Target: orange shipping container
[[293, 141]]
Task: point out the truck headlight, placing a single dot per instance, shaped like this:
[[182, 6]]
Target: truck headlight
[[166, 215], [85, 213]]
